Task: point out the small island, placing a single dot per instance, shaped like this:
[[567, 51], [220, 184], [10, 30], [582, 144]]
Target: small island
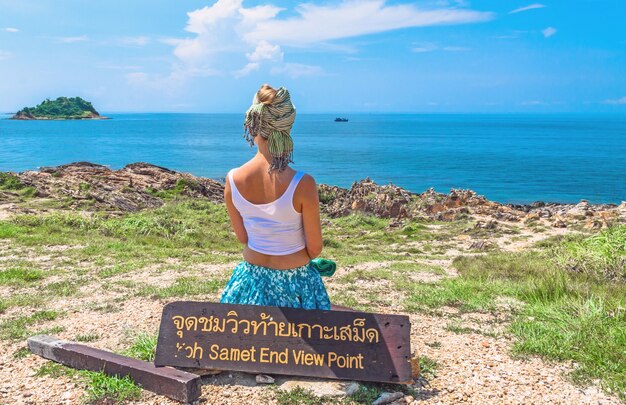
[[63, 108]]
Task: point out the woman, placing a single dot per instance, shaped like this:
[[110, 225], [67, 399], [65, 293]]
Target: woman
[[274, 211]]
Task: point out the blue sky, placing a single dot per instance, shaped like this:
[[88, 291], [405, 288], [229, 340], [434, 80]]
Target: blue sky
[[334, 56]]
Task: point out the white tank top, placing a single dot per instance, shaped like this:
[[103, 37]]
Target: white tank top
[[273, 228]]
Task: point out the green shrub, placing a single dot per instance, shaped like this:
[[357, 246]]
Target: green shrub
[[9, 181], [603, 254]]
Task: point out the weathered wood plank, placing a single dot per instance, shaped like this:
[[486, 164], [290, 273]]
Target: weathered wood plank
[[332, 344], [172, 383]]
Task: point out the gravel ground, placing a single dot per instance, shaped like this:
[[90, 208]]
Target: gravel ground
[[472, 367]]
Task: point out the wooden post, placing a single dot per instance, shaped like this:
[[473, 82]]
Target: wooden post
[[172, 383]]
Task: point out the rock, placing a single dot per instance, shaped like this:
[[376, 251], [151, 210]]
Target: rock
[[594, 224], [264, 379], [352, 388], [480, 245], [558, 222], [579, 212], [545, 213], [388, 397], [531, 217], [420, 383], [139, 186], [131, 188], [319, 387]]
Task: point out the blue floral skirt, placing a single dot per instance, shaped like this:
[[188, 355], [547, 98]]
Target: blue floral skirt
[[301, 287]]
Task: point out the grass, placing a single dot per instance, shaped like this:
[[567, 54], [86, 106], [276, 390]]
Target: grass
[[17, 328], [298, 396], [55, 370], [366, 394], [99, 388], [602, 255], [63, 288], [361, 238], [456, 327], [183, 287], [143, 347], [88, 337], [10, 181], [12, 184], [21, 353], [569, 291], [16, 276], [178, 190], [428, 367], [326, 196], [565, 316], [184, 230]]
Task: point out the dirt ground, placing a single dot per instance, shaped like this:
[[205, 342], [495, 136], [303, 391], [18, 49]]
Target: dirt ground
[[472, 367]]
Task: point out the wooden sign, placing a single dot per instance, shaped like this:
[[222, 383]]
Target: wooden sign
[[333, 344]]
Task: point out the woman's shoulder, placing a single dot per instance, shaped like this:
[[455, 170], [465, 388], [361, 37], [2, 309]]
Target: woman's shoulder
[[307, 184]]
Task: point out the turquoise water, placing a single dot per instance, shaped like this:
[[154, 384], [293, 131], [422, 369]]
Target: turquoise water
[[507, 158]]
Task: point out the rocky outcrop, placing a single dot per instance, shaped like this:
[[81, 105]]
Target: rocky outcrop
[[143, 185], [132, 188], [367, 197], [390, 201], [23, 115]]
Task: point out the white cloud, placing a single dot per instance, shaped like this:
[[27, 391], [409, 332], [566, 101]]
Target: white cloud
[[456, 49], [353, 18], [113, 66], [261, 34], [263, 51], [178, 75], [71, 40], [4, 55], [619, 101], [430, 47], [534, 102], [296, 70], [526, 8], [135, 41], [10, 29], [548, 32]]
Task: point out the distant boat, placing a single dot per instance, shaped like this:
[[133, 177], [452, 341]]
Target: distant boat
[[341, 119]]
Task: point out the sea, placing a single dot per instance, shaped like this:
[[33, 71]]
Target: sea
[[514, 158]]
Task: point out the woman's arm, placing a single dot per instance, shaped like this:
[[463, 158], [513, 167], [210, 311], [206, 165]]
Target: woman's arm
[[235, 218], [310, 204]]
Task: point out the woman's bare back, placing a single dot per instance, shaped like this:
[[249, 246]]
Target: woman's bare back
[[257, 186]]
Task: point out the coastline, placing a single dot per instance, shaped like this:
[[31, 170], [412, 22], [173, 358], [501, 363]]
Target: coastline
[[491, 156], [141, 185], [13, 118]]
